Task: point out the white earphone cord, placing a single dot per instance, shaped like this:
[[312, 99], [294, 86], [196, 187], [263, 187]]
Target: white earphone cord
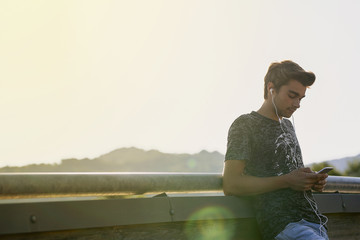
[[315, 209], [312, 203]]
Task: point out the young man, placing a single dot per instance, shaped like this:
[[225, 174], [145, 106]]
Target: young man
[[264, 159]]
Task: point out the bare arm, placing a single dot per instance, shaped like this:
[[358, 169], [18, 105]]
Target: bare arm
[[237, 184]]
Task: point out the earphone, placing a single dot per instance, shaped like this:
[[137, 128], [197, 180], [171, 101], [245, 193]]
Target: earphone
[[272, 99]]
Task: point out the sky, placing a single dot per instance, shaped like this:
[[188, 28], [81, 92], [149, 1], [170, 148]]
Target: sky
[[79, 79]]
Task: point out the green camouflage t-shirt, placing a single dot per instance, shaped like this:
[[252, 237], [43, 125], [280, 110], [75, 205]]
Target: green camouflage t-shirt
[[270, 149]]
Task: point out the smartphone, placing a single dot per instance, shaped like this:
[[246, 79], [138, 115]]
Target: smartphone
[[325, 170]]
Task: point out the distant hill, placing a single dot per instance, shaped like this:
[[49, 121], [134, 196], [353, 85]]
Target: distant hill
[[138, 160], [342, 163], [133, 160]]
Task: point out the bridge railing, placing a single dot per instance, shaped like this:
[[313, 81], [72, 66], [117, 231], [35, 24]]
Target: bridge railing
[[32, 206], [80, 183]]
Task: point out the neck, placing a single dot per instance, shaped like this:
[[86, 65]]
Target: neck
[[267, 109]]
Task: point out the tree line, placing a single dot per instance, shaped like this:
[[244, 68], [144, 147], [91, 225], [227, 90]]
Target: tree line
[[353, 168]]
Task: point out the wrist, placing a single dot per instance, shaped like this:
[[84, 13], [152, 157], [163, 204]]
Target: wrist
[[284, 181]]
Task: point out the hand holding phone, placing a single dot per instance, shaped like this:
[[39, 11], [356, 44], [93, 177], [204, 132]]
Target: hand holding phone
[[325, 170]]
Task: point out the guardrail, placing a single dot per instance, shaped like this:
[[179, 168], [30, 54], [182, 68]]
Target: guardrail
[[34, 184], [163, 216]]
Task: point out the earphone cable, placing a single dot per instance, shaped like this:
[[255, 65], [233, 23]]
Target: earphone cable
[[311, 202]]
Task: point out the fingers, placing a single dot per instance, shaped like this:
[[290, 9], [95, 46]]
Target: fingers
[[323, 175], [309, 175], [321, 182], [307, 170], [314, 177], [304, 179], [318, 176], [319, 186]]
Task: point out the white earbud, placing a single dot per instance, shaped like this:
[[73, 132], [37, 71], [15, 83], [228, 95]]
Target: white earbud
[[271, 90]]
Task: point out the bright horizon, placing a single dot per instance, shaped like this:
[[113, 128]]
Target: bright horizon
[[79, 79]]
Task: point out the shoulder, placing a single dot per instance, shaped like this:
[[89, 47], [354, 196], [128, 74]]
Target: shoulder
[[241, 125], [246, 121], [288, 123], [243, 119]]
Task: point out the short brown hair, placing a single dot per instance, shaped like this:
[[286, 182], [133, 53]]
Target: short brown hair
[[280, 73]]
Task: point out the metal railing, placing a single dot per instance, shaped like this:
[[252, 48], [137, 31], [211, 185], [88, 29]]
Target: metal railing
[[37, 184]]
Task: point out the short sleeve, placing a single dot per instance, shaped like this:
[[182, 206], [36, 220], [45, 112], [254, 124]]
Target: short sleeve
[[238, 142]]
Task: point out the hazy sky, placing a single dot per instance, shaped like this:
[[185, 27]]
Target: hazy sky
[[82, 78]]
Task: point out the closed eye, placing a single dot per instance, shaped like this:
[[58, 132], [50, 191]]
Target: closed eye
[[294, 95]]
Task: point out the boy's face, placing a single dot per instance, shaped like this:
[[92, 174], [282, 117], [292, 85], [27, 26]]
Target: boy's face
[[288, 98]]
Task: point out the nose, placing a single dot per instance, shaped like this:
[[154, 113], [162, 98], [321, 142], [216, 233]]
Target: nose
[[296, 103]]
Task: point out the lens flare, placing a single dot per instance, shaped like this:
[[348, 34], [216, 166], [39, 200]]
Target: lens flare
[[191, 163], [210, 223]]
